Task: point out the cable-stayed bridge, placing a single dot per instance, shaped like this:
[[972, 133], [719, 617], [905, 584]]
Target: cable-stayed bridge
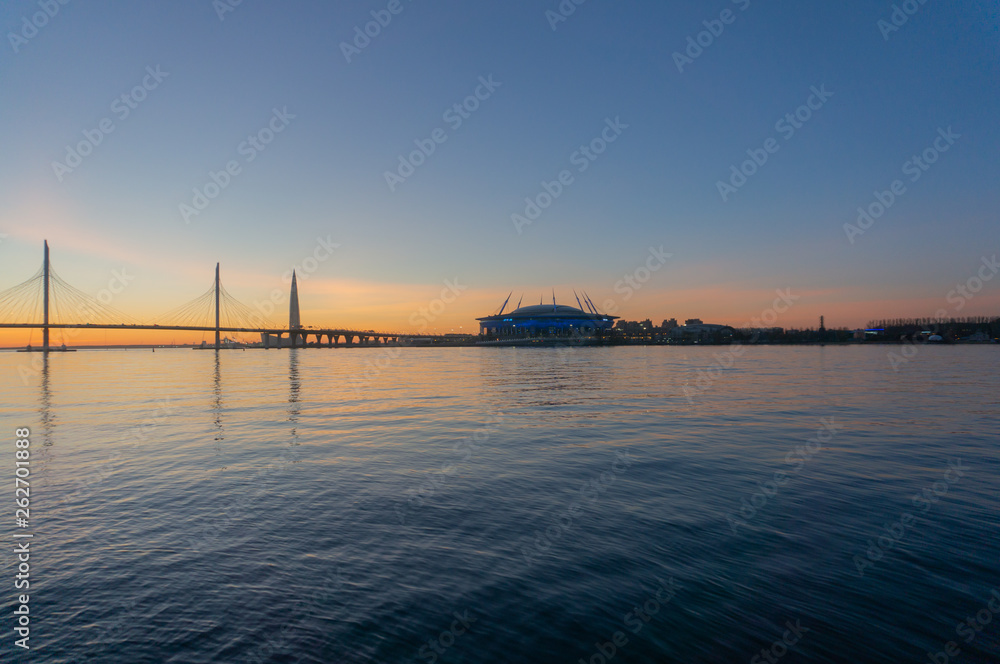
[[47, 302]]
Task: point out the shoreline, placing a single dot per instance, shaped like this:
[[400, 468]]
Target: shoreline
[[556, 344]]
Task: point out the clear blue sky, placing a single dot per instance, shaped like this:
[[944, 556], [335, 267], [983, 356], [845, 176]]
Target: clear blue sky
[[656, 184]]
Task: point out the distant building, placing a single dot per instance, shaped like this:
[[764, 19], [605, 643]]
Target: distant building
[[669, 324], [541, 321], [294, 321], [698, 331], [629, 327]]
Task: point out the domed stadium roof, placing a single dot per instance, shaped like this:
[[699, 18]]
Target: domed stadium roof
[[563, 313], [538, 309]]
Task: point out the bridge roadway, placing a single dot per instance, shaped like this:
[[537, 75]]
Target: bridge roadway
[[333, 335]]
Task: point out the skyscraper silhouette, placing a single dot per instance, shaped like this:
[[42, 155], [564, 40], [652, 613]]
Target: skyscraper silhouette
[[294, 322]]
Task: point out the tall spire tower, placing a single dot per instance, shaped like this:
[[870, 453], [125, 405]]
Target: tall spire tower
[[294, 322]]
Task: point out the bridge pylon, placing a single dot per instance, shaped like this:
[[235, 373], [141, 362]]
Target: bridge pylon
[[217, 288], [45, 299]]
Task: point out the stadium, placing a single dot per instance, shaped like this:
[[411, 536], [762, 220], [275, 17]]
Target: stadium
[[539, 323]]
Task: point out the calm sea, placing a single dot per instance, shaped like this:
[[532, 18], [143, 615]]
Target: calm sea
[[631, 504]]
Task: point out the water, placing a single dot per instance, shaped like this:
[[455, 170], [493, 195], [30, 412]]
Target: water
[[344, 505]]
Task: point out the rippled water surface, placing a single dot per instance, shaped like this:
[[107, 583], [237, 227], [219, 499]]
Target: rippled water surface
[[508, 505]]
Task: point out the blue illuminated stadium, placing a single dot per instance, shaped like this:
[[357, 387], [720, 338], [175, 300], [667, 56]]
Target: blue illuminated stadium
[[545, 321]]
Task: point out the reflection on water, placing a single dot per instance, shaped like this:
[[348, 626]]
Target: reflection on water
[[45, 400], [522, 379], [217, 393], [293, 389], [271, 512]]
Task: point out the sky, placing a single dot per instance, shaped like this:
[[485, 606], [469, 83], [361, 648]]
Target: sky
[[457, 152]]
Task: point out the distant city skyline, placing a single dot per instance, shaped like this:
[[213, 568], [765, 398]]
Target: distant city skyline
[[674, 160]]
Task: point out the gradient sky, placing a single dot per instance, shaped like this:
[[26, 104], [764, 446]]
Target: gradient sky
[[323, 176]]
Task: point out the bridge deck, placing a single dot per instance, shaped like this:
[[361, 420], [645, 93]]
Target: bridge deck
[[190, 328]]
